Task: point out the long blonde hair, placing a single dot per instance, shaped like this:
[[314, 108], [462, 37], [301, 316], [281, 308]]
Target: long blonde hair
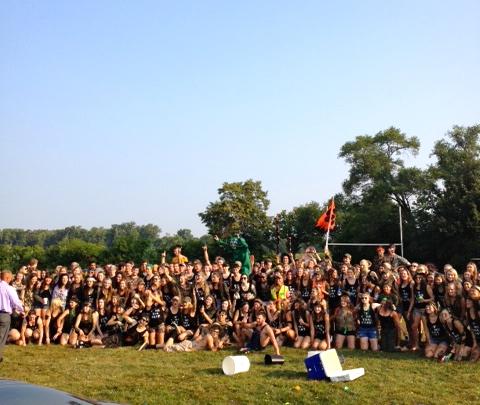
[[56, 304]]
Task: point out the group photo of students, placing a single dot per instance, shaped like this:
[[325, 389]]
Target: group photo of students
[[303, 300]]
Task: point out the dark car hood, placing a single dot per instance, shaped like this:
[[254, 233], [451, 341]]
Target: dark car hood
[[20, 393]]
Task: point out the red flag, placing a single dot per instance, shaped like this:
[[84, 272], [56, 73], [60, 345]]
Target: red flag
[[327, 218]]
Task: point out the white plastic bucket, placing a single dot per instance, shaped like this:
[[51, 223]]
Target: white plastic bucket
[[235, 364], [313, 353]]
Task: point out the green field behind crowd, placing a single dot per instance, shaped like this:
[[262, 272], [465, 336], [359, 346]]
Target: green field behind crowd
[[126, 376]]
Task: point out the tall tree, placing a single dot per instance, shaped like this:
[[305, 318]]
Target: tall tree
[[377, 170], [379, 183], [241, 208], [452, 213], [297, 227]]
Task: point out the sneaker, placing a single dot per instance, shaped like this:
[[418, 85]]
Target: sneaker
[[445, 359]]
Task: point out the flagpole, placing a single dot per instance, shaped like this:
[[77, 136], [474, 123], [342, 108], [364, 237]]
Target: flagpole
[[329, 224], [277, 235], [401, 228]]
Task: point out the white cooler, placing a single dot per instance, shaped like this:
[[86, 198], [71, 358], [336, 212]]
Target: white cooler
[[329, 366]]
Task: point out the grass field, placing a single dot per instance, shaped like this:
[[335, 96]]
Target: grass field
[[126, 376]]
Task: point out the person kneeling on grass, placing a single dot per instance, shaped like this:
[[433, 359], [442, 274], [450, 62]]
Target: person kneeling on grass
[[205, 341], [260, 335]]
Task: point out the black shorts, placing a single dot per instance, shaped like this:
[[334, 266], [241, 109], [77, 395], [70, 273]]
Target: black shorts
[[303, 332], [347, 333]]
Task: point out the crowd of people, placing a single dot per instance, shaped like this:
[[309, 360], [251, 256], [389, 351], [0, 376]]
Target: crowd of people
[[304, 301]]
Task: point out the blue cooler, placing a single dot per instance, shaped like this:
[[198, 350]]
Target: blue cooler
[[315, 370]]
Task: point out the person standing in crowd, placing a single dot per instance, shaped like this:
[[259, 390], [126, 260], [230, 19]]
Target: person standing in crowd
[[422, 295], [150, 301], [178, 258], [367, 323], [394, 259], [388, 319], [9, 302], [344, 323], [238, 248]]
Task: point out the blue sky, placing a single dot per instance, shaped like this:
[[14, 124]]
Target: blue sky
[[138, 111]]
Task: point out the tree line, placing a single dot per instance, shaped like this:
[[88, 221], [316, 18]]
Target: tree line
[[440, 206]]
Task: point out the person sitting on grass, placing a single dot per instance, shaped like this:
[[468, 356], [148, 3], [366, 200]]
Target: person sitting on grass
[[437, 338], [85, 327], [260, 335], [473, 321], [209, 339], [67, 320], [301, 324], [319, 321], [137, 333], [32, 329], [456, 333]]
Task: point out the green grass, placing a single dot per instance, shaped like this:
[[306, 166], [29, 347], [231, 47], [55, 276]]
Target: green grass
[[126, 376]]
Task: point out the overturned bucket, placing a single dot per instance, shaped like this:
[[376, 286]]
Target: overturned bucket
[[235, 364], [273, 359]]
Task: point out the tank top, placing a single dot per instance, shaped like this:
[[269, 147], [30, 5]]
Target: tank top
[[188, 322], [102, 321], [319, 326], [334, 294], [89, 297], [46, 295], [172, 319], [404, 293], [436, 329], [275, 322], [439, 294], [344, 321], [68, 321], [53, 324], [420, 295], [305, 292], [475, 328], [386, 322], [367, 318], [302, 329], [455, 335], [85, 325], [454, 308], [351, 289], [32, 324], [132, 336], [156, 316], [226, 283]]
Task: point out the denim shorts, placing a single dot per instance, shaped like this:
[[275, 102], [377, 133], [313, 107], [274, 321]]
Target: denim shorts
[[435, 341], [418, 311], [370, 333]]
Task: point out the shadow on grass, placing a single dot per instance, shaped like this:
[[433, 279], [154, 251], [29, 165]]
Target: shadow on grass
[[285, 373], [359, 354], [211, 371]]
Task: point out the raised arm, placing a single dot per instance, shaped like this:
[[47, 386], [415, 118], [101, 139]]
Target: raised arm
[[205, 255]]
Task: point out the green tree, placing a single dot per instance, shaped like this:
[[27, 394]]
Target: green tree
[[379, 183], [451, 206], [298, 226], [73, 250], [377, 170], [241, 208], [13, 257]]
